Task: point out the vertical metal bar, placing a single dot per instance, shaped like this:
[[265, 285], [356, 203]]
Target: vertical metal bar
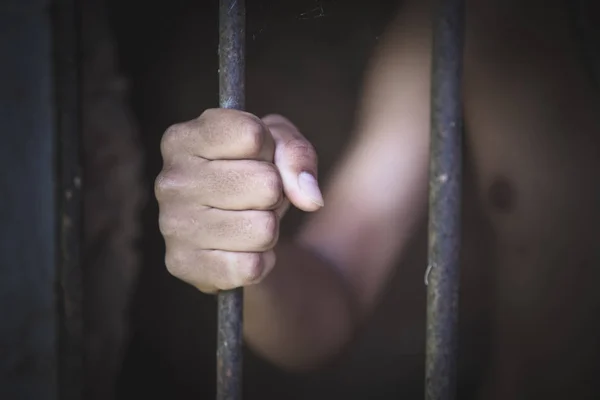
[[232, 65], [444, 201], [28, 356], [69, 179]]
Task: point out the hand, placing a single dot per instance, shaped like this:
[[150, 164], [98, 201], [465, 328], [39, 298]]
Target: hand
[[228, 178]]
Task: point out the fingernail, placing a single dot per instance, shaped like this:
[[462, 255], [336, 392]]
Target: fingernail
[[310, 188]]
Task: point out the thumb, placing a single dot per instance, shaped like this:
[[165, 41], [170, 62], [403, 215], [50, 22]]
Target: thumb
[[296, 159]]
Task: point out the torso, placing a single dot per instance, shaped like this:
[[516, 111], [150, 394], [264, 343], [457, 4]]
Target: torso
[[533, 139]]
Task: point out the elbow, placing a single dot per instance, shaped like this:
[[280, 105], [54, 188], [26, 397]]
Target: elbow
[[306, 320], [304, 356], [308, 343]]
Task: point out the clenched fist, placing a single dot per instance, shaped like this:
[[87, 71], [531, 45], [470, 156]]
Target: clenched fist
[[228, 178]]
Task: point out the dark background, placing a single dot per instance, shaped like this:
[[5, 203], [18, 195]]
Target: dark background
[[305, 59]]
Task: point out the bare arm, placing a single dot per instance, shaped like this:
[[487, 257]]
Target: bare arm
[[330, 278]]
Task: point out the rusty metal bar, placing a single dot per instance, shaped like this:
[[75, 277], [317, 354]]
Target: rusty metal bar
[[67, 61], [445, 184], [232, 94]]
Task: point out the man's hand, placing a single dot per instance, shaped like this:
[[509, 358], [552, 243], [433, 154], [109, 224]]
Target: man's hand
[[227, 180]]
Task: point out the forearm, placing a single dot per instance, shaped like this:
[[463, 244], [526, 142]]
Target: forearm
[[301, 315], [306, 310]]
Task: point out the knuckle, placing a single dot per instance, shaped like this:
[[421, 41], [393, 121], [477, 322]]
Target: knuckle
[[252, 133], [208, 117], [208, 114], [183, 265], [168, 224], [169, 181], [251, 268], [176, 263], [267, 229], [172, 136], [300, 149], [272, 184]]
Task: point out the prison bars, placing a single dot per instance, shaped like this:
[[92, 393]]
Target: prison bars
[[444, 211], [445, 182], [232, 94]]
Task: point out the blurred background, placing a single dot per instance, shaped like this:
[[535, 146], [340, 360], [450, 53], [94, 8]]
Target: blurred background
[[148, 335], [305, 59]]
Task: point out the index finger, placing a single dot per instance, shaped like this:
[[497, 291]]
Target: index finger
[[219, 134]]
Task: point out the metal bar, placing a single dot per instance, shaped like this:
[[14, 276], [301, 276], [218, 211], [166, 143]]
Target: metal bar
[[67, 60], [232, 85], [28, 356], [444, 201]]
